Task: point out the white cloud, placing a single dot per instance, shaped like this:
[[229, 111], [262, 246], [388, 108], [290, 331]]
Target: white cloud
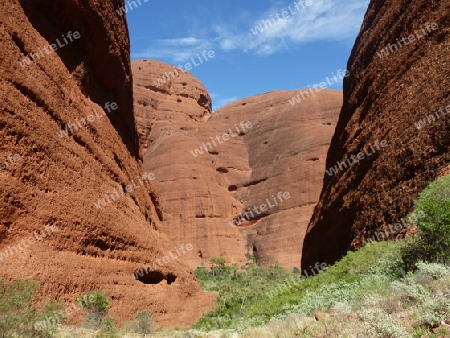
[[335, 20], [190, 41], [323, 20], [176, 50]]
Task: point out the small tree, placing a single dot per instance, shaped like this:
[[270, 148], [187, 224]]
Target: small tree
[[218, 267], [97, 304], [145, 324], [17, 318], [108, 329], [217, 261]]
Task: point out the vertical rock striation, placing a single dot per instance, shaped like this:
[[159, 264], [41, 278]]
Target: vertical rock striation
[[67, 138], [400, 74]]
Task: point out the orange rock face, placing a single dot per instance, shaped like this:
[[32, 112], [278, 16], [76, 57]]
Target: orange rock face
[[393, 87], [68, 137], [211, 168]]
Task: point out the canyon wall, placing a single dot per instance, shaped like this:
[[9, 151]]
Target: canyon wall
[[398, 91], [68, 137], [206, 179]]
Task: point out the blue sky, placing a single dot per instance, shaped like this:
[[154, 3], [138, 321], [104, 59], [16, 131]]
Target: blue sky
[[300, 44]]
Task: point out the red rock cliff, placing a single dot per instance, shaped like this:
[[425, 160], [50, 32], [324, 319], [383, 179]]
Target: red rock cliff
[[386, 95], [200, 193], [66, 155]]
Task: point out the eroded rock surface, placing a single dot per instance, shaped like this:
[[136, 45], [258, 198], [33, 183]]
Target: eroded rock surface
[[385, 97], [204, 182], [55, 179]]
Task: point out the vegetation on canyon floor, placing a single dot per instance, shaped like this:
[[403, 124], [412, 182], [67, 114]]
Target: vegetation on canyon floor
[[386, 289], [19, 319]]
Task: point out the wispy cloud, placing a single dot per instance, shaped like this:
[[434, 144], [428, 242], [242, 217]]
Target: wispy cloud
[[332, 20], [221, 102], [176, 50], [323, 20]]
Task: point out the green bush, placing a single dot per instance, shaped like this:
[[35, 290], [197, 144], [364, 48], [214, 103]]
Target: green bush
[[432, 215], [431, 271], [145, 324], [95, 301], [377, 323], [238, 289], [97, 304], [17, 318], [373, 306], [254, 295], [108, 329], [368, 292], [434, 309], [218, 267]]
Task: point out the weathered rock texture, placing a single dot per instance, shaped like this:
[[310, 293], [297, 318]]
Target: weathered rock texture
[[283, 151], [383, 98], [56, 179]]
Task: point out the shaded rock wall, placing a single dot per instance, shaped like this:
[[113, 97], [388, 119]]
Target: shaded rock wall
[[383, 99]]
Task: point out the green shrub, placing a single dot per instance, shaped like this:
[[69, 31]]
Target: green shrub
[[412, 292], [250, 258], [218, 267], [434, 309], [145, 324], [429, 272], [17, 318], [108, 329], [217, 261], [254, 295], [97, 304], [95, 301], [432, 215], [368, 293], [377, 324], [201, 273], [433, 270], [326, 296]]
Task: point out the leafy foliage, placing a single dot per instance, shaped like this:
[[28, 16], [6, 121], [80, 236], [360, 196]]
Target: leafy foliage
[[238, 289], [375, 306], [108, 329], [432, 215], [97, 304], [17, 318], [252, 295], [145, 324]]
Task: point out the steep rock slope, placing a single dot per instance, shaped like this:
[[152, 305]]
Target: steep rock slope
[[60, 154], [385, 97], [204, 182]]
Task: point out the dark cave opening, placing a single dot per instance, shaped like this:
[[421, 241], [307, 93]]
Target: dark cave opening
[[154, 277]]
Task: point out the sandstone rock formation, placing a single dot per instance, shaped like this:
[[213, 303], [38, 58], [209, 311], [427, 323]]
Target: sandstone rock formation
[[53, 179], [201, 193], [385, 97]]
